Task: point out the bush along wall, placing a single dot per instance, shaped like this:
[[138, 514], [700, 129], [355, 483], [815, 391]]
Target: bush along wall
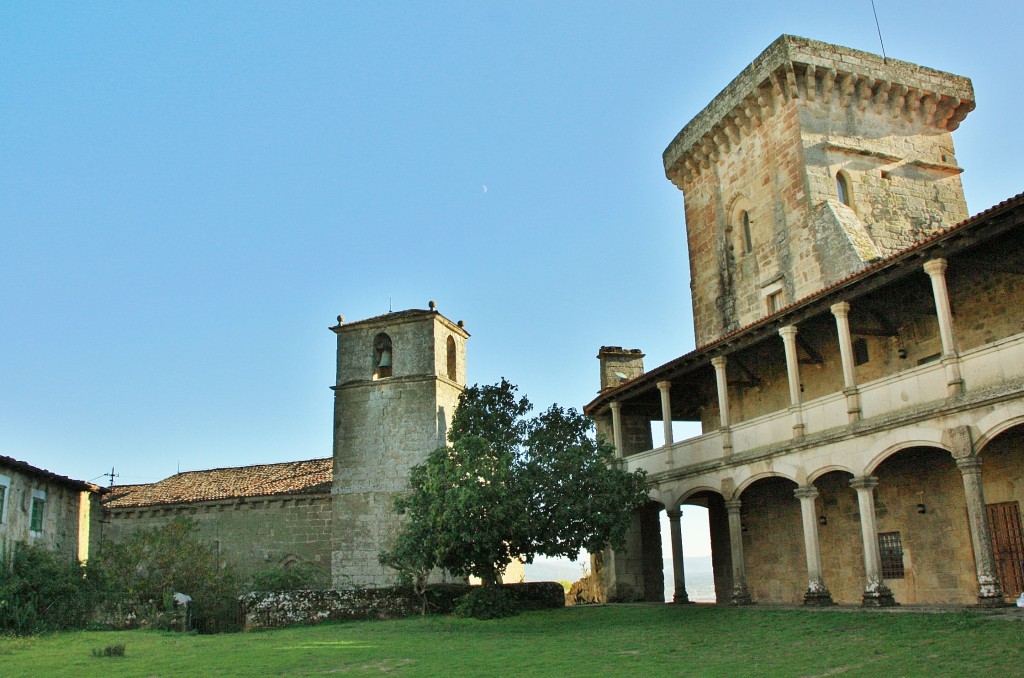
[[264, 610]]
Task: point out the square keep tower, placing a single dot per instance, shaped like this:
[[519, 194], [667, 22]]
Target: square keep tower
[[813, 162]]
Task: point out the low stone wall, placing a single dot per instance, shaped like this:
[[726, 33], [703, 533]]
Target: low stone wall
[[265, 610]]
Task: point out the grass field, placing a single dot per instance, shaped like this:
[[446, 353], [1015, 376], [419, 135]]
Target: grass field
[[642, 640]]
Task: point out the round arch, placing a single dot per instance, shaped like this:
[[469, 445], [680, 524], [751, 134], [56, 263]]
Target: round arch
[[825, 470], [996, 423], [750, 480], [684, 496], [901, 440]]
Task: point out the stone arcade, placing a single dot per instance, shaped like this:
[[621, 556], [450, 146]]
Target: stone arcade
[[859, 376]]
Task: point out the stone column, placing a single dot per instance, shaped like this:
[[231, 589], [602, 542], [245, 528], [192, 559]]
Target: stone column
[[842, 313], [817, 593], [722, 385], [876, 593], [936, 270], [678, 571], [990, 592], [740, 593], [666, 410], [616, 408], [788, 334]]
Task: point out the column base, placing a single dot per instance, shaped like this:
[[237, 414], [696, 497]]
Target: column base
[[740, 596], [680, 598], [877, 594], [817, 595], [990, 593]]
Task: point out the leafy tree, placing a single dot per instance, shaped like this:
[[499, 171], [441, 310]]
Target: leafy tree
[[510, 487]]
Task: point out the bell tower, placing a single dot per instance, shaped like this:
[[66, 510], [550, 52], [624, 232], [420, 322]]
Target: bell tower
[[398, 381]]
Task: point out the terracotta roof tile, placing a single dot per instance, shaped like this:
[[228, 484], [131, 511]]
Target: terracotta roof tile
[[292, 477]]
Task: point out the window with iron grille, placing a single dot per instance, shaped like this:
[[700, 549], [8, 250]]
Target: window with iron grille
[[890, 547]]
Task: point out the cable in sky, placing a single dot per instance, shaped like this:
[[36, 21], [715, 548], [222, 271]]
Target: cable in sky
[[877, 26]]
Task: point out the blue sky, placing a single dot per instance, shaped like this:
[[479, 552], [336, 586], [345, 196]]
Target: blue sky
[[191, 192]]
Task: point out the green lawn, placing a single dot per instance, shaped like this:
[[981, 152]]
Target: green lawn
[[638, 640]]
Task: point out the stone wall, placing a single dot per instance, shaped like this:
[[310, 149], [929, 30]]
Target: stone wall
[[254, 534], [294, 608]]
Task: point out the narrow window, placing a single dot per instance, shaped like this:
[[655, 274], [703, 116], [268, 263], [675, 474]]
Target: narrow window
[[748, 241], [382, 356], [774, 301], [890, 547], [860, 351], [451, 358], [5, 484], [843, 188], [35, 522]]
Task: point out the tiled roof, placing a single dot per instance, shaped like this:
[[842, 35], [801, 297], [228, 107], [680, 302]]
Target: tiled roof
[[292, 477], [29, 469]]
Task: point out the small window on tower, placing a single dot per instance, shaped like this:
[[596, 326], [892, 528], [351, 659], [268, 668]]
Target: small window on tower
[[774, 301], [452, 372], [382, 356], [843, 188]]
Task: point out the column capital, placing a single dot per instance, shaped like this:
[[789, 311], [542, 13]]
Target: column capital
[[934, 267], [664, 385], [719, 361], [615, 406], [787, 332], [809, 492], [733, 505], [841, 310], [674, 514], [968, 465], [864, 483]]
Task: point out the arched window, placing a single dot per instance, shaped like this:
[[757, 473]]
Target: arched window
[[382, 356], [843, 188], [451, 358]]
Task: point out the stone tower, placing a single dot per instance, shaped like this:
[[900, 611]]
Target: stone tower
[[815, 161], [398, 382]]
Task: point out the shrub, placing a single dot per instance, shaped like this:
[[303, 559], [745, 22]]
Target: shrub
[[109, 651], [40, 591], [487, 602], [299, 577], [144, 570]]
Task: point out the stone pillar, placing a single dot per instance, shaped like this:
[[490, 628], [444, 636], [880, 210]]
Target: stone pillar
[[990, 592], [817, 593], [666, 410], [876, 593], [740, 593], [788, 334], [722, 385], [616, 408], [936, 270], [842, 313], [678, 571]]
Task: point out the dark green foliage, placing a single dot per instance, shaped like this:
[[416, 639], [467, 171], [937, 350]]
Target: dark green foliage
[[143, 571], [487, 602], [507, 487], [40, 591], [109, 651], [298, 577]]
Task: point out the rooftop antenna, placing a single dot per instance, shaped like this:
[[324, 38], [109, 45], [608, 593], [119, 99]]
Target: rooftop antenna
[[111, 475], [389, 303], [877, 26]]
